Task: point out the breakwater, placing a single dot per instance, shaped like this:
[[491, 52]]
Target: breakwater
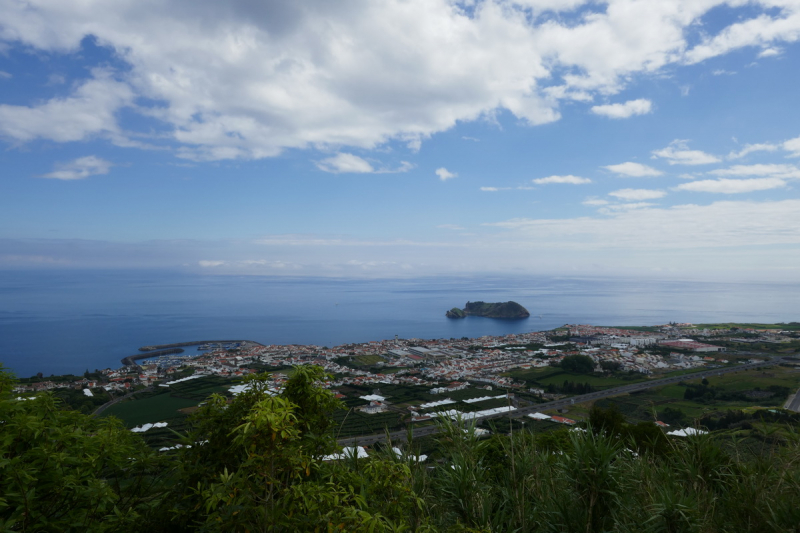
[[129, 360], [191, 343]]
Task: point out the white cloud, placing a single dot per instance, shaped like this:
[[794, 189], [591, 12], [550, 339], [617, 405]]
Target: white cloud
[[211, 264], [345, 163], [5, 75], [770, 52], [80, 168], [720, 224], [678, 153], [635, 170], [595, 201], [774, 170], [550, 5], [490, 189], [625, 207], [250, 79], [445, 174], [793, 146], [90, 110], [569, 179], [761, 30], [732, 186], [637, 194], [450, 226], [626, 110], [750, 148]]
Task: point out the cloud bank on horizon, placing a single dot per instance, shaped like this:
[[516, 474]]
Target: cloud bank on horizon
[[621, 133]]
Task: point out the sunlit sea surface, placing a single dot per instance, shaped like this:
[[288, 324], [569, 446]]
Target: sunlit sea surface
[[70, 321]]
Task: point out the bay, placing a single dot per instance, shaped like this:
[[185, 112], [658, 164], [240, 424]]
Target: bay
[[68, 321]]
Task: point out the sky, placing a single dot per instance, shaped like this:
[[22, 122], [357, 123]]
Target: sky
[[402, 138]]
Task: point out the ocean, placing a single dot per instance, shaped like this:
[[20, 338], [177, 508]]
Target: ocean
[[69, 321]]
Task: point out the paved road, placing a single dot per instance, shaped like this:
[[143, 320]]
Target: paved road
[[400, 436], [793, 403]]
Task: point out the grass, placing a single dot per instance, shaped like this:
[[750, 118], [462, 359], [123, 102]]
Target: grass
[[640, 405], [201, 388], [792, 326], [367, 360], [390, 369], [153, 409], [353, 423]]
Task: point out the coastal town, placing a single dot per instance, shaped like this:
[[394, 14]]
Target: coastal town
[[441, 364]]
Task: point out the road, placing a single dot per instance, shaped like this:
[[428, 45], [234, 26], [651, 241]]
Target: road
[[106, 405], [793, 403], [400, 436]]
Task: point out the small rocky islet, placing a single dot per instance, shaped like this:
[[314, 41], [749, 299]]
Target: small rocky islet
[[489, 310]]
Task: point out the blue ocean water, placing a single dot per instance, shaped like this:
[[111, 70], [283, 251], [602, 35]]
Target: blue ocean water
[[58, 322]]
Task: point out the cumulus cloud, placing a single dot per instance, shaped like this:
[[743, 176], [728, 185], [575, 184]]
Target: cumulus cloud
[[251, 79], [490, 189], [678, 153], [761, 30], [595, 201], [445, 174], [570, 179], [750, 148], [80, 168], [770, 52], [637, 194], [732, 186], [774, 170], [628, 109], [793, 146], [634, 170], [89, 110], [625, 207], [344, 162]]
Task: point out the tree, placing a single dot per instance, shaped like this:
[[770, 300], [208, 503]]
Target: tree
[[610, 366], [579, 364], [61, 470], [607, 421], [256, 464], [672, 415]]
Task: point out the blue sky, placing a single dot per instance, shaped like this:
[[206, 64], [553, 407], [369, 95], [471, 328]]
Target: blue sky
[[402, 138]]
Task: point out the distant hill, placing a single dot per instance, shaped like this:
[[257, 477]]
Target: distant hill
[[489, 310]]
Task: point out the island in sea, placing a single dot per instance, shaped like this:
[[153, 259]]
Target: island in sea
[[489, 310]]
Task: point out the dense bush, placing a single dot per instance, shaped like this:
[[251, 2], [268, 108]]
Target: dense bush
[[255, 464], [579, 364]]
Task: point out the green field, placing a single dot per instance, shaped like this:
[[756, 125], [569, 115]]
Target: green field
[[163, 403], [158, 408], [641, 405], [367, 360], [201, 388], [352, 423], [551, 375], [791, 326]]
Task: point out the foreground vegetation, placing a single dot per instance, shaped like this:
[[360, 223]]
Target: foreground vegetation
[[255, 463]]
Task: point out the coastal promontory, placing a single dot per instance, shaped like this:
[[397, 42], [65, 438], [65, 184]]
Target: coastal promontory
[[489, 310]]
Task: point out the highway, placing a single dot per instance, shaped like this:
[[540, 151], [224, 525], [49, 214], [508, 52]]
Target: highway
[[400, 436]]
